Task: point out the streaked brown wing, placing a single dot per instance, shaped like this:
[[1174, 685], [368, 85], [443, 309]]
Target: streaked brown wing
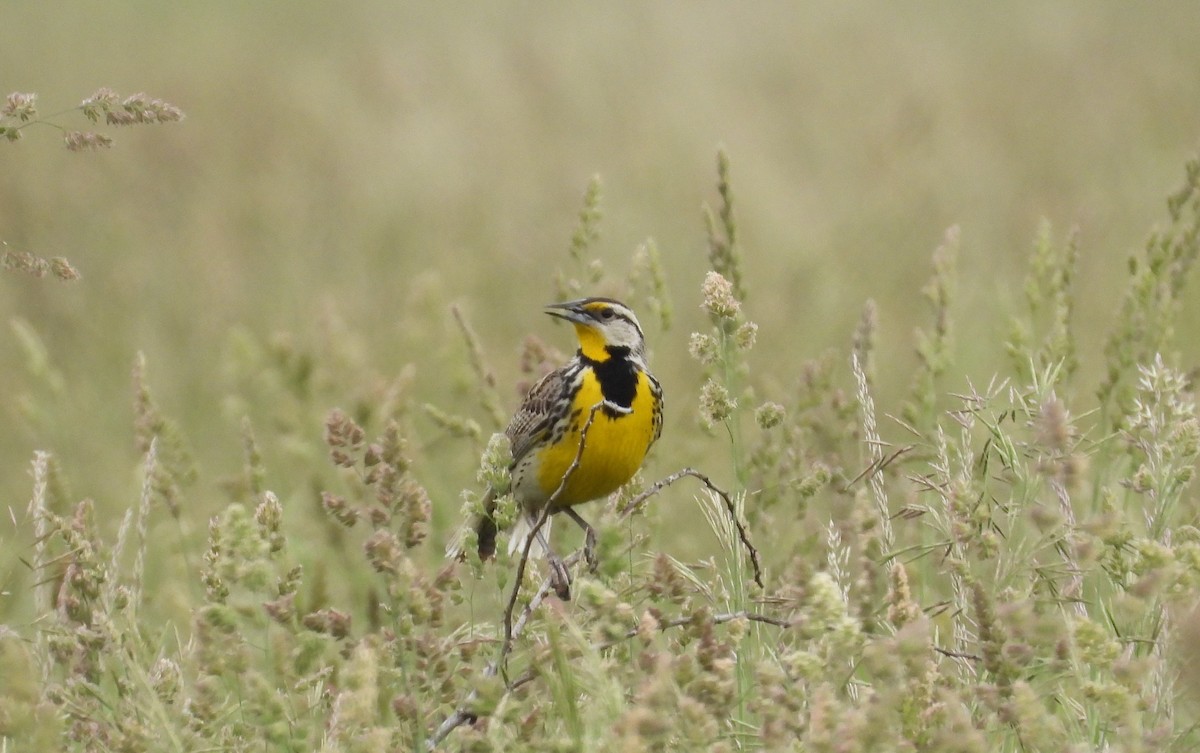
[[545, 404], [656, 390]]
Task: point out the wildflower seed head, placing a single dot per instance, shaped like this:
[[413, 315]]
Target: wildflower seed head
[[1053, 425], [1094, 645], [414, 509], [281, 610], [269, 515], [817, 479], [825, 605], [863, 342], [135, 109], [344, 437], [665, 582], [644, 728], [336, 507], [746, 335], [382, 517], [394, 447], [1186, 438], [1142, 480], [328, 621], [1151, 555], [384, 478], [25, 262], [901, 608], [383, 551], [20, 105], [647, 627], [356, 704], [703, 348], [803, 665], [1045, 517], [166, 678], [719, 300], [467, 542], [103, 100], [505, 513], [373, 455], [494, 465], [769, 415], [716, 405], [122, 598], [1112, 698], [612, 618], [79, 141], [119, 118]]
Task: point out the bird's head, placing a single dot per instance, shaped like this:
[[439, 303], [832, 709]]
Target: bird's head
[[606, 328]]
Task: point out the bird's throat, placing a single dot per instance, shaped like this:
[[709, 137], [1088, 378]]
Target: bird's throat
[[591, 343]]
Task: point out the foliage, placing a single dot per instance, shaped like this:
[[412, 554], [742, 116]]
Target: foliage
[[1015, 570], [20, 112]]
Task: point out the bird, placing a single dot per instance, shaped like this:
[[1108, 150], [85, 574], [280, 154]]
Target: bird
[[605, 401]]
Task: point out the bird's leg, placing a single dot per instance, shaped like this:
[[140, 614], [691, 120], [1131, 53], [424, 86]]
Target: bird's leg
[[560, 576], [589, 542]]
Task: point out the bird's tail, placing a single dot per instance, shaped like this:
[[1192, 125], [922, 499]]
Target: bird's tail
[[485, 530], [484, 526], [522, 530]]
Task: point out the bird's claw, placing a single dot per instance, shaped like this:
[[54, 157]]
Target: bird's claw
[[560, 577]]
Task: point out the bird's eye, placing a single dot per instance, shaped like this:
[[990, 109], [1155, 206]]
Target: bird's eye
[[606, 314]]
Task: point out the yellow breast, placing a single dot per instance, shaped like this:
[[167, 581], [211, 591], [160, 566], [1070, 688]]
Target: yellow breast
[[615, 446]]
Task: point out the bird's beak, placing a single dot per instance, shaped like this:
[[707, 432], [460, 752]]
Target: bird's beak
[[572, 311]]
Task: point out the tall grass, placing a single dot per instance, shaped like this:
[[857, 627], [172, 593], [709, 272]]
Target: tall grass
[[999, 563]]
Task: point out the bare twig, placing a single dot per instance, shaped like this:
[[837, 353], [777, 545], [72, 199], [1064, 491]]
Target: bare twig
[[877, 465], [661, 484], [452, 722], [957, 654]]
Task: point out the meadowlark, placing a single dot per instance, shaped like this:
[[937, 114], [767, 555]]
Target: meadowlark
[[604, 400]]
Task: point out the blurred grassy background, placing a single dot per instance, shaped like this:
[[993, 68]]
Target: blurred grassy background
[[370, 163]]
